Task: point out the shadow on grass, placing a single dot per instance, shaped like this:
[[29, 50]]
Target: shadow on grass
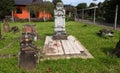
[[49, 34], [107, 50]]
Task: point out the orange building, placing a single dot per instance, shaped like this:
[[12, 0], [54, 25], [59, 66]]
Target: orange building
[[22, 12]]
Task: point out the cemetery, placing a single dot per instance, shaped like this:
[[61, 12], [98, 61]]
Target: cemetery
[[59, 45]]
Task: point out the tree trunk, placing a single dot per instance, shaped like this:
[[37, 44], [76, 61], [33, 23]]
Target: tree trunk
[[0, 32]]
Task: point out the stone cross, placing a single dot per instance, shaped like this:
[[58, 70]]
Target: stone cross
[[59, 14]]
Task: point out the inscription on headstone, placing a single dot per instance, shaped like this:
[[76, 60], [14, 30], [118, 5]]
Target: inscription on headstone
[[59, 14]]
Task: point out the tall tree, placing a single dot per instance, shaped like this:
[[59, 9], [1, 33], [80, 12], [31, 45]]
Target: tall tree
[[55, 2], [109, 7], [92, 5], [81, 6], [5, 7]]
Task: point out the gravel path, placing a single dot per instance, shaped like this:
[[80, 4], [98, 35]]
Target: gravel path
[[103, 24]]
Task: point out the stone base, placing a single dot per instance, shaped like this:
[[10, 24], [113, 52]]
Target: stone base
[[59, 36], [27, 60]]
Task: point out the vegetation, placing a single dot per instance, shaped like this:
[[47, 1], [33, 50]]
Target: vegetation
[[109, 8], [55, 2], [81, 6], [97, 46], [6, 7]]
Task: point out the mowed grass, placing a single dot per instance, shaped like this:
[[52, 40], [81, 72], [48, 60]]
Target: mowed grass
[[97, 46]]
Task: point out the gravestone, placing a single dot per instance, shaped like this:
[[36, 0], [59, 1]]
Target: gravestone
[[29, 53], [6, 27], [59, 14]]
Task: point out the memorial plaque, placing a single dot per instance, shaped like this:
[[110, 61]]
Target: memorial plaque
[[59, 14]]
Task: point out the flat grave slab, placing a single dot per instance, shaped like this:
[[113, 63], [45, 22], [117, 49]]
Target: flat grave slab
[[70, 48]]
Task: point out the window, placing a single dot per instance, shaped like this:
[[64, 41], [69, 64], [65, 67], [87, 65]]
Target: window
[[19, 11]]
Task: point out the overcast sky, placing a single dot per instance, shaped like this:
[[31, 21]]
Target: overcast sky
[[76, 2]]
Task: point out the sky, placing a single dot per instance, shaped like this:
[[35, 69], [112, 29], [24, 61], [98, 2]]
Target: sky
[[76, 2]]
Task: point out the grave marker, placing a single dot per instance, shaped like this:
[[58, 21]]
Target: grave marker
[[59, 14]]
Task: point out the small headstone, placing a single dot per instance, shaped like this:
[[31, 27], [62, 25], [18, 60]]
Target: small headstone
[[6, 27], [59, 14]]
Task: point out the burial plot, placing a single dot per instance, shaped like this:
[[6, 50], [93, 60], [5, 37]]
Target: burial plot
[[59, 14], [29, 53], [60, 45]]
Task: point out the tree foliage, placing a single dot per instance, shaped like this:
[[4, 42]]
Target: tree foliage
[[5, 7], [81, 6], [46, 6], [92, 5], [110, 7], [55, 2]]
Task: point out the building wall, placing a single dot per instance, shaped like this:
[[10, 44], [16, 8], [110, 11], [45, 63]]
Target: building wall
[[41, 15], [25, 13]]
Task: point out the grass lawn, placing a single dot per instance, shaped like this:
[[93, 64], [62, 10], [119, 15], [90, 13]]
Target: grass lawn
[[97, 46]]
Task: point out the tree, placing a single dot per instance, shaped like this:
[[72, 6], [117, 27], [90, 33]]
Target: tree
[[81, 6], [109, 7], [55, 2], [92, 5], [5, 7], [44, 7]]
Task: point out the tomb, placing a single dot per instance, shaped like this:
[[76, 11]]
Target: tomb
[[60, 45]]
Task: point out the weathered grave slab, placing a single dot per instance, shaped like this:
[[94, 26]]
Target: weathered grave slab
[[70, 48]]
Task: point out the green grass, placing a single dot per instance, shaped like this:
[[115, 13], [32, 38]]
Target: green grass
[[97, 46]]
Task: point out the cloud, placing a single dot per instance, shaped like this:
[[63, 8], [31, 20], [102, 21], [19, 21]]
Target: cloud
[[76, 2]]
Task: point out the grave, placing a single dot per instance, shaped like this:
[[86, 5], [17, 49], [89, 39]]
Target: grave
[[60, 45], [59, 14], [29, 53], [70, 48], [6, 27]]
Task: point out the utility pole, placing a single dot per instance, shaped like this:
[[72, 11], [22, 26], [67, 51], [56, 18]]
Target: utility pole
[[116, 14], [94, 19], [82, 14], [44, 12], [12, 16], [94, 16], [29, 15]]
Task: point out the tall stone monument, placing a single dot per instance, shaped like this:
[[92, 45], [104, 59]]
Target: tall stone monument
[[59, 14]]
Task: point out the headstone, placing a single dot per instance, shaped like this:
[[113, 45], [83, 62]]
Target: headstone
[[59, 14], [6, 27], [29, 53]]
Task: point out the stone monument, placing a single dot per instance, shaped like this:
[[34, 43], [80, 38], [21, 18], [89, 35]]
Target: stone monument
[[59, 14], [29, 53]]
